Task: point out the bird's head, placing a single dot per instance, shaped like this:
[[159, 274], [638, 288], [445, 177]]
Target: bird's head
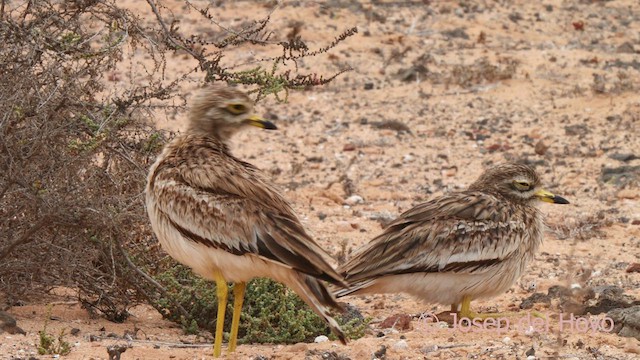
[[517, 182], [220, 111]]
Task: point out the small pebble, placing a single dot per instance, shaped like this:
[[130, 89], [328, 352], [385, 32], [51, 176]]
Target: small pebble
[[530, 331], [635, 267], [348, 147], [321, 339], [443, 324], [576, 286], [408, 158], [628, 194], [390, 331], [429, 349], [353, 200], [344, 226], [401, 345], [506, 340], [452, 171], [531, 357]]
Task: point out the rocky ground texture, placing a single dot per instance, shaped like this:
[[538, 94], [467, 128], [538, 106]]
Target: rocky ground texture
[[439, 91]]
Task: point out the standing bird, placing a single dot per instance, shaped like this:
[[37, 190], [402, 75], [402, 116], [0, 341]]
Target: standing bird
[[223, 218], [458, 247]]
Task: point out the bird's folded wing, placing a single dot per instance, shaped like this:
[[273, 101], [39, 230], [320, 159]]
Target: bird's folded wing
[[462, 232], [240, 213]]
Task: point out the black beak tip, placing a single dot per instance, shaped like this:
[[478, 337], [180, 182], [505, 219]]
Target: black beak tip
[[268, 125], [560, 200]]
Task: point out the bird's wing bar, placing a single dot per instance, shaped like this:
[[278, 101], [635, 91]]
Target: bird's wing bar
[[283, 239], [463, 232], [216, 217]]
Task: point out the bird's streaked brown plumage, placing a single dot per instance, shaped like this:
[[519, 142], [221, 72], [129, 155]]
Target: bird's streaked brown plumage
[[226, 220], [461, 246]]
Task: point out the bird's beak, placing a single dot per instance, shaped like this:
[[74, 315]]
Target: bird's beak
[[546, 196], [257, 121]]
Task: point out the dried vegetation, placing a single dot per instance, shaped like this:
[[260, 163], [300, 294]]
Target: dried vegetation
[[74, 152]]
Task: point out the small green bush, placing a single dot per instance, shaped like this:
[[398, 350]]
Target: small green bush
[[50, 345], [272, 313]]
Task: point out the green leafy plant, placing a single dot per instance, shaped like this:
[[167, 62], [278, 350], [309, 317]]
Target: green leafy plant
[[272, 313], [49, 344]]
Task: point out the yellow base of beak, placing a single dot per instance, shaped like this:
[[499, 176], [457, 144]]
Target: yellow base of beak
[[546, 196]]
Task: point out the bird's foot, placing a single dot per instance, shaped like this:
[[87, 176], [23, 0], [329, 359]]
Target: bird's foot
[[498, 315], [465, 312]]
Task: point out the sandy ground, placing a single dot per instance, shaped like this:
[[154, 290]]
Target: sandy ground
[[558, 88]]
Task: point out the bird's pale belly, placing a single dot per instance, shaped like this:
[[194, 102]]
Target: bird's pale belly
[[205, 260], [450, 288]]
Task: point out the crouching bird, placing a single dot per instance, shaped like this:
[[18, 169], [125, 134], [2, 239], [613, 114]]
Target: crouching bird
[[458, 247], [226, 220]]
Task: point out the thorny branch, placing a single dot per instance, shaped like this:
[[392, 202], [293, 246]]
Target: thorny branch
[[253, 33], [76, 140], [268, 81], [26, 237], [168, 34], [152, 281]]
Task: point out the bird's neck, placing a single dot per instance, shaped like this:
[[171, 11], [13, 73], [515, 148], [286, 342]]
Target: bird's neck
[[219, 136]]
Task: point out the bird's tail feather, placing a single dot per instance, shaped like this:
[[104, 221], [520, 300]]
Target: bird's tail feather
[[316, 295], [353, 289]]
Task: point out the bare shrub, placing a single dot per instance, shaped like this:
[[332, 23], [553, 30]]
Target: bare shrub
[[72, 164], [75, 153]]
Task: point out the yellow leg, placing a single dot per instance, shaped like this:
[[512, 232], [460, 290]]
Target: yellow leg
[[221, 289], [238, 296], [454, 308], [465, 311]]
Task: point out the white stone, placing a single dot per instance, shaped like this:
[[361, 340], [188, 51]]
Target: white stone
[[321, 339], [530, 331], [506, 340], [576, 286], [390, 331], [401, 345], [353, 200], [531, 357], [408, 158], [443, 324]]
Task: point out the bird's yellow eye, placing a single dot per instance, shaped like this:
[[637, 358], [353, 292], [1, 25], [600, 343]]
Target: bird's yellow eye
[[521, 185], [237, 108]]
